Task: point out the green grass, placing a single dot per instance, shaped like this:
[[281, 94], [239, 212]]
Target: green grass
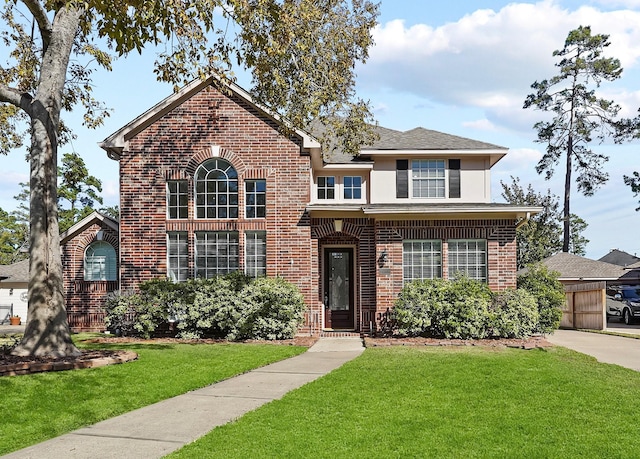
[[36, 407], [445, 403]]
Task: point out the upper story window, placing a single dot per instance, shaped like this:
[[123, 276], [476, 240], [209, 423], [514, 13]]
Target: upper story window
[[177, 199], [428, 178], [326, 187], [216, 190], [338, 188], [255, 198], [100, 263], [352, 187]]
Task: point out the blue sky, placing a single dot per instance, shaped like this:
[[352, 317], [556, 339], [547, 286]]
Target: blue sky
[[460, 66]]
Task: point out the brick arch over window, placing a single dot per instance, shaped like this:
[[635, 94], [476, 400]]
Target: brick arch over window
[[86, 240], [216, 189], [100, 262], [215, 152]]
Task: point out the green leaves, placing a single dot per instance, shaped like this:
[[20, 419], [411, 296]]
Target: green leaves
[[578, 114]]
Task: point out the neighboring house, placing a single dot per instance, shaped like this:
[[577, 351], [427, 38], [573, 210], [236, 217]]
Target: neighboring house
[[90, 269], [14, 282], [575, 269], [620, 258], [209, 185], [631, 264]]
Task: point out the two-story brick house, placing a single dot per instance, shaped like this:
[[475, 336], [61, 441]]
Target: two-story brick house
[[208, 185]]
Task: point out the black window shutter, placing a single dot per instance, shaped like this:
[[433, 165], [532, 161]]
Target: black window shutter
[[454, 178], [402, 178]]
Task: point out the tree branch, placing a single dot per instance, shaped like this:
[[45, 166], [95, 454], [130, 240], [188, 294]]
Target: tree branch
[[14, 97], [44, 25]]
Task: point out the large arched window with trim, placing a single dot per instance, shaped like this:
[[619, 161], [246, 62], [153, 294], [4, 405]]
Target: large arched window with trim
[[100, 262], [216, 190]]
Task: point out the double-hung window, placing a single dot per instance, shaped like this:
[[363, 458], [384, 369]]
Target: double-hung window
[[255, 198], [177, 256], [421, 259], [216, 253], [428, 178], [468, 256], [177, 199], [216, 190], [255, 248]]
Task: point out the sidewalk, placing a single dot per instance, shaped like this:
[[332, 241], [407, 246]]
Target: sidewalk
[[159, 429], [606, 348]]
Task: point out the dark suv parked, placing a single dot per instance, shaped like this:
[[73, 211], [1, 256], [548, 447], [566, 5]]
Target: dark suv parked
[[624, 302]]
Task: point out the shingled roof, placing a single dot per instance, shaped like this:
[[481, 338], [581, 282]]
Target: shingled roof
[[620, 258], [574, 267], [426, 139], [16, 272]]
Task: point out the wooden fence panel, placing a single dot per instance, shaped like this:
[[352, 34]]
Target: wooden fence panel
[[585, 307]]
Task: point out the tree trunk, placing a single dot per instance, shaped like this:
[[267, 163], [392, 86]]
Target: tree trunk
[[567, 195], [47, 331]]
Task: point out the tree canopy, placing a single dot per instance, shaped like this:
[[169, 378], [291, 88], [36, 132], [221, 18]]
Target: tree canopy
[[301, 55], [579, 115]]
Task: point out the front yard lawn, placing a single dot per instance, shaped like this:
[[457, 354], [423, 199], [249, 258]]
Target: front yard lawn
[[37, 407], [446, 403]]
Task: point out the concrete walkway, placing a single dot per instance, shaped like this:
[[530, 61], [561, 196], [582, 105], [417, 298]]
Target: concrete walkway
[[159, 429], [605, 348]]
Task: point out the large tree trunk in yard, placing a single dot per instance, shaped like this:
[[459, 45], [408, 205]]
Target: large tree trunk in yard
[[47, 331], [567, 198]]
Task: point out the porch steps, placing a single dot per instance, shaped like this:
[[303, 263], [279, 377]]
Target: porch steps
[[339, 334]]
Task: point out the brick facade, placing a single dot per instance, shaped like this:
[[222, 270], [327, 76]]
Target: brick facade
[[174, 142], [85, 299], [209, 125]]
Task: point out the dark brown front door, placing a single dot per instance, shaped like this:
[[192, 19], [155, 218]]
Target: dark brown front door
[[338, 288]]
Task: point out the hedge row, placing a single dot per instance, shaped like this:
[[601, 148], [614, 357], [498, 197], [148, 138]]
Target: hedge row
[[233, 307], [466, 309]]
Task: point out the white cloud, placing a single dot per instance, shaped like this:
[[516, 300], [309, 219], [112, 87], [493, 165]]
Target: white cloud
[[489, 59], [481, 125]]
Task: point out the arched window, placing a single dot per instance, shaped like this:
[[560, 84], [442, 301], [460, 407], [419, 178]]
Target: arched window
[[216, 190], [100, 263]]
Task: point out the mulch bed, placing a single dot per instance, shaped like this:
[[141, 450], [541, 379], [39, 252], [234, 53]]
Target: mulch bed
[[536, 342], [12, 365]]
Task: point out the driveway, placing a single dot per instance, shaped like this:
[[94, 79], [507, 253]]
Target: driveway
[[605, 348]]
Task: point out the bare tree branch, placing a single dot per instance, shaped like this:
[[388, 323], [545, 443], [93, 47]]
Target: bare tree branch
[[44, 25], [14, 97]]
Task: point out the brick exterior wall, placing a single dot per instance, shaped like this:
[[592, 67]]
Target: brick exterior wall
[[501, 250], [211, 124], [173, 147], [85, 299]]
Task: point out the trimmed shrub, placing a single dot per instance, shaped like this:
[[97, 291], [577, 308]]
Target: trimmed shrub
[[232, 307], [129, 314], [513, 314], [464, 312], [549, 293], [415, 306], [444, 309], [272, 308], [213, 310]]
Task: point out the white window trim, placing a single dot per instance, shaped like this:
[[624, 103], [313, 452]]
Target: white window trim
[[485, 265], [445, 180], [339, 189], [405, 279], [247, 267], [255, 205]]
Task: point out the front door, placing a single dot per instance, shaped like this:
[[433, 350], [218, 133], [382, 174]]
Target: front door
[[338, 288]]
